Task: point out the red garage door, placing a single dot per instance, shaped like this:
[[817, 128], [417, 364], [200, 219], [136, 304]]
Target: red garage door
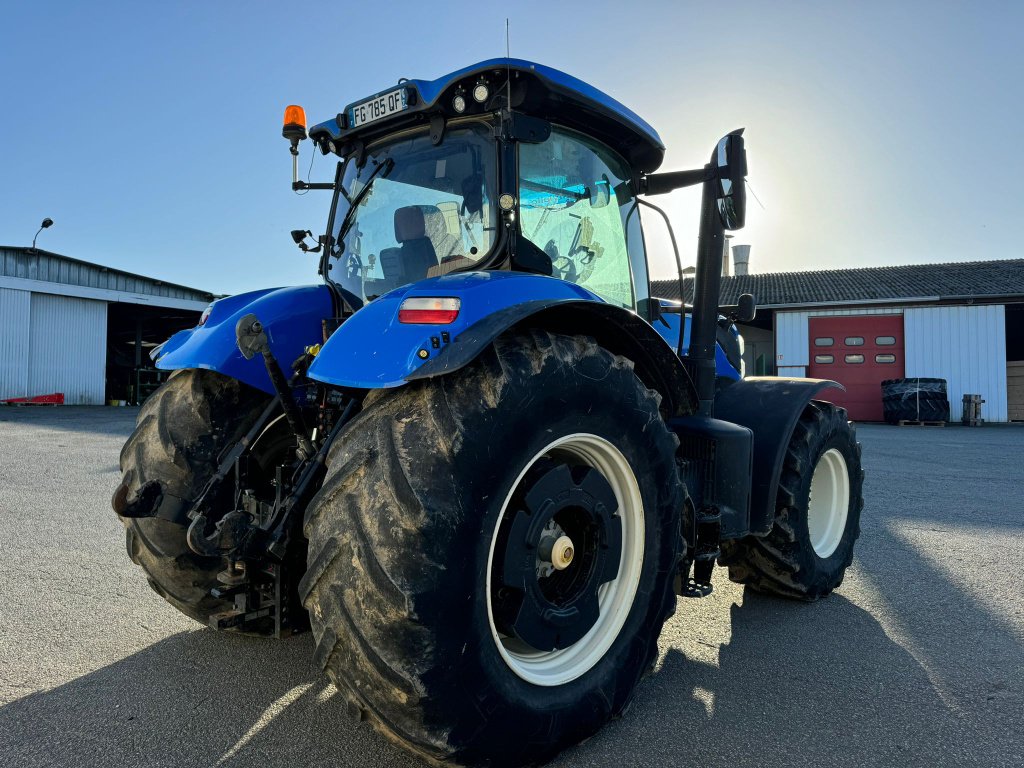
[[858, 351]]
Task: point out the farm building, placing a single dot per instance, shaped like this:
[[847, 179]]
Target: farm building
[[960, 322], [84, 330]]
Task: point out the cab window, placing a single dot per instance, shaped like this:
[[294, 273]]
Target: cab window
[[574, 207]]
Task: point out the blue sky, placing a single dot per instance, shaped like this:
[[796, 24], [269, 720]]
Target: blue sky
[[877, 133]]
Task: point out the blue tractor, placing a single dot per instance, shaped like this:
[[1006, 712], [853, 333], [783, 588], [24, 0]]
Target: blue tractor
[[480, 461]]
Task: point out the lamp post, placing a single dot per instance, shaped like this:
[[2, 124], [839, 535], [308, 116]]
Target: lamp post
[[47, 223]]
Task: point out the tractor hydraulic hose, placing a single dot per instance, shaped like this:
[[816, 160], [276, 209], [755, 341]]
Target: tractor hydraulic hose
[[251, 338], [291, 411]]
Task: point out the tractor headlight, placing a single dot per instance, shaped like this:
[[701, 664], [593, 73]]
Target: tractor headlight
[[481, 92], [459, 103], [205, 316]]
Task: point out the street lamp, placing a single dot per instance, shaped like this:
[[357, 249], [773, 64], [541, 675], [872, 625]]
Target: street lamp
[[47, 223]]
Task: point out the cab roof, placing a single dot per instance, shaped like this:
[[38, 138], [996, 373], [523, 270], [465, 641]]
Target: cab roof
[[535, 89]]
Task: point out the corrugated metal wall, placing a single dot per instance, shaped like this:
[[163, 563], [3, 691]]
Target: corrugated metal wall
[[791, 343], [68, 348], [964, 345], [14, 325]]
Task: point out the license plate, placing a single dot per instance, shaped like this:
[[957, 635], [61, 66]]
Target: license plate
[[379, 107]]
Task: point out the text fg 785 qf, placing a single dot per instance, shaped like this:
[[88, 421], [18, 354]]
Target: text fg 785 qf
[[480, 461]]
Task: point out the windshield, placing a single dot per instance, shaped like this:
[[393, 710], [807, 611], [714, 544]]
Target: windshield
[[419, 211]]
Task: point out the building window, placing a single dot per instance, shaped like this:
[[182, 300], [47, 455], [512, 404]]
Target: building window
[[824, 341], [885, 341], [855, 359], [824, 359], [854, 341], [885, 358]]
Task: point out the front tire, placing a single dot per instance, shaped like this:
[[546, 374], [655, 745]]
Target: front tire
[[422, 582], [817, 514]]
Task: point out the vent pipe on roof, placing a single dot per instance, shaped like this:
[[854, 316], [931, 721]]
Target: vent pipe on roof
[[725, 255], [741, 259]]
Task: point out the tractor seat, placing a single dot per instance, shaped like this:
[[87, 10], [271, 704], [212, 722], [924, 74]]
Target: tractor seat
[[415, 254], [425, 241]]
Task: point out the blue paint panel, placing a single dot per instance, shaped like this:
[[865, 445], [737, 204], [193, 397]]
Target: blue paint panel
[[372, 350], [671, 334], [292, 318]]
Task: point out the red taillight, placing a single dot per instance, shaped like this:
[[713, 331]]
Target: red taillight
[[429, 311]]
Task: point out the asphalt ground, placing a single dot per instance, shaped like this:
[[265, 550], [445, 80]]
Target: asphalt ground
[[918, 659]]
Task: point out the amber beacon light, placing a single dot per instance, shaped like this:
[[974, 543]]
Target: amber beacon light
[[294, 124]]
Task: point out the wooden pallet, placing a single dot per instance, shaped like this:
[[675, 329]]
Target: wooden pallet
[[912, 423]]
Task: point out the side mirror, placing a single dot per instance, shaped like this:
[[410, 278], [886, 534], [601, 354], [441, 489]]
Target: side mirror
[[731, 160], [746, 310], [299, 236]]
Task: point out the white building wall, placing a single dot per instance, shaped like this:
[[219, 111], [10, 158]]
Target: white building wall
[[14, 325], [965, 345], [67, 348]]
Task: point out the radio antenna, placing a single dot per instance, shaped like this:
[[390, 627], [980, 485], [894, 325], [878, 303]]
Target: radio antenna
[[508, 68]]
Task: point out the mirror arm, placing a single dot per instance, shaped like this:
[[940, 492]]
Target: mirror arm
[[660, 183], [301, 186], [297, 184]]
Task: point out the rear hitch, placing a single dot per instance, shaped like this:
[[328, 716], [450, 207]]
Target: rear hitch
[[255, 538]]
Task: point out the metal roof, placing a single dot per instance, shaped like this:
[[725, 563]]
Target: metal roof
[[45, 267], [569, 96], [915, 282]]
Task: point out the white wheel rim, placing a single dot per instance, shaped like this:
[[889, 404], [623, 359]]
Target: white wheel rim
[[615, 598], [829, 503]]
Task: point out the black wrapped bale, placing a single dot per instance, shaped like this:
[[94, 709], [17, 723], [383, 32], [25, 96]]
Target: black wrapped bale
[[914, 400]]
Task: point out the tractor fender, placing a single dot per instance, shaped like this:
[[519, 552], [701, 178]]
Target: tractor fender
[[373, 350], [293, 319], [770, 407]]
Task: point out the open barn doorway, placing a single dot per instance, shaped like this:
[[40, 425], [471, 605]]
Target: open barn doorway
[[1015, 362], [132, 331]]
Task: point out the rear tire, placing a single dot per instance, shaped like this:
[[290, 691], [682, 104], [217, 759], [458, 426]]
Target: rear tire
[[421, 501], [810, 545], [180, 431]]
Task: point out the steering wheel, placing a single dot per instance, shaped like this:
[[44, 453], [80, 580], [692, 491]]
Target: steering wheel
[[562, 267]]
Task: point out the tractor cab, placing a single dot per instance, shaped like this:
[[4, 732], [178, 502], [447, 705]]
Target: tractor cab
[[506, 165]]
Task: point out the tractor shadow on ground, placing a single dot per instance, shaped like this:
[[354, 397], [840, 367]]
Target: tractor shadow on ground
[[795, 684], [938, 681], [195, 699]]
